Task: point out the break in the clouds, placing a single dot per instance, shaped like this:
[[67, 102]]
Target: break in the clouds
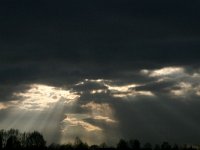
[[101, 70]]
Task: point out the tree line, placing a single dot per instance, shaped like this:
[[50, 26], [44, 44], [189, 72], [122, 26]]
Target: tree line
[[13, 139]]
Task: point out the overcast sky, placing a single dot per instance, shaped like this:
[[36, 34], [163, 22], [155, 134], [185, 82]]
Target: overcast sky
[[101, 69]]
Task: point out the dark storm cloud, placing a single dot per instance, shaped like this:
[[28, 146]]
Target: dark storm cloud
[[99, 32], [121, 35]]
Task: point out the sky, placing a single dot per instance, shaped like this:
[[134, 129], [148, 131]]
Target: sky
[[101, 69]]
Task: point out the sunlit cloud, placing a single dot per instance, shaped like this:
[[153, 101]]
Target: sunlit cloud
[[133, 93], [102, 112], [182, 89], [198, 91], [123, 88], [73, 125], [106, 119], [118, 91], [99, 81], [181, 83], [164, 72], [98, 108], [167, 71], [3, 106], [90, 122], [9, 104], [185, 89], [126, 91], [39, 97], [74, 121], [98, 91]]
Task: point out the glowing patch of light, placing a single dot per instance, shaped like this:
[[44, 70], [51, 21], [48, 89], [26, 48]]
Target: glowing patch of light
[[97, 80], [3, 106], [106, 119], [98, 91], [123, 88], [126, 91], [166, 71], [196, 75], [6, 105], [73, 121], [134, 94], [145, 93], [79, 83], [145, 71], [39, 97], [98, 108], [101, 112], [198, 93], [177, 92], [120, 91], [197, 90], [183, 89]]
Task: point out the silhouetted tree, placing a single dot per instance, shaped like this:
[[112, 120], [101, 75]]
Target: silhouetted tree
[[175, 147], [122, 144], [94, 147], [53, 146], [78, 144], [1, 141], [35, 140], [23, 139], [66, 147], [77, 141], [135, 144], [12, 143], [147, 146], [103, 145], [4, 138], [157, 147], [165, 146]]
